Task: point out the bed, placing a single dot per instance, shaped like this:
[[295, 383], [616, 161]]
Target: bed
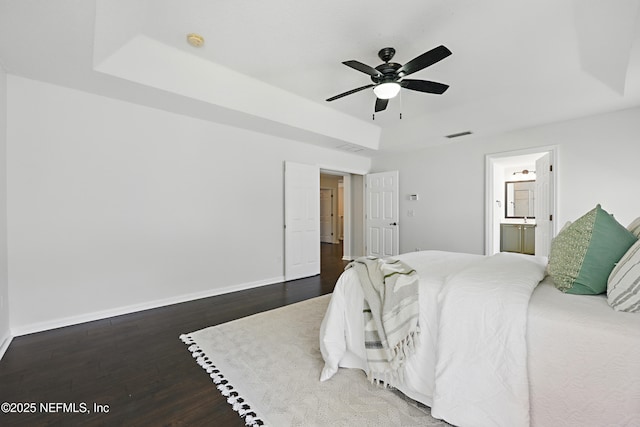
[[515, 352]]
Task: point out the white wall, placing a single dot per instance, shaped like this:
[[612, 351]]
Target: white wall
[[598, 158], [114, 206], [5, 332]]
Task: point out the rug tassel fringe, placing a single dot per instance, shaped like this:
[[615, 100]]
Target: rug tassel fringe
[[238, 404]]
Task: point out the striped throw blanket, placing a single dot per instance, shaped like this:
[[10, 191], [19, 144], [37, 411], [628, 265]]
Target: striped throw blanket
[[390, 314]]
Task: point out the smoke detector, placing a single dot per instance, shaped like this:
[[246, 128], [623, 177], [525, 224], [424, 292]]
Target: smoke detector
[[195, 40]]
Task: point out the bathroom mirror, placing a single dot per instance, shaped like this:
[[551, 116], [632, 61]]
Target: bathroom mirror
[[520, 199]]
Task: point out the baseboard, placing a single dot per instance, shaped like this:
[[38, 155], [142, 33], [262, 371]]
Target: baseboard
[[5, 345], [98, 315]]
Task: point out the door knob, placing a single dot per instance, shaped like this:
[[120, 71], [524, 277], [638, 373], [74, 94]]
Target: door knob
[[394, 223]]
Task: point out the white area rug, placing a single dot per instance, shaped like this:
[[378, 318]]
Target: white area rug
[[269, 366]]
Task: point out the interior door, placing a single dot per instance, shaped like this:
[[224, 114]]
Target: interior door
[[381, 214], [326, 215], [544, 205], [302, 220]]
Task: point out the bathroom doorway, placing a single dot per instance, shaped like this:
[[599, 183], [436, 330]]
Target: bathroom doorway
[[530, 228]]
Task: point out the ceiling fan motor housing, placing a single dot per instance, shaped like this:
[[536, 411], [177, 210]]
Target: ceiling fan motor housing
[[388, 72]]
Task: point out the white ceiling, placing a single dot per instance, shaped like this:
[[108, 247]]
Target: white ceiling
[[269, 65]]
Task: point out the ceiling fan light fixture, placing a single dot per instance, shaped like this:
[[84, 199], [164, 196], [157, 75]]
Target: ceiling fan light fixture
[[387, 90]]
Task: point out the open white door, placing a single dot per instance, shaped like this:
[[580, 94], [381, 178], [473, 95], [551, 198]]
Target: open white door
[[302, 220], [544, 205], [381, 210]]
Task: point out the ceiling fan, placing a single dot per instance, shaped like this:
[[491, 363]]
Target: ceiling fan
[[389, 77]]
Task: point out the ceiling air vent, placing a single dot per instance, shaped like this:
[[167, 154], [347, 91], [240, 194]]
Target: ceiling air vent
[[456, 135]]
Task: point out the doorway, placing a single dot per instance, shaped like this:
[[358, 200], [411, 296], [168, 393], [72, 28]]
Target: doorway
[[335, 223], [333, 254], [302, 247], [520, 166], [348, 211]]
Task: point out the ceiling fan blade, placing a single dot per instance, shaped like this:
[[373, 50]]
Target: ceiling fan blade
[[381, 104], [424, 86], [363, 68], [424, 60], [333, 98]]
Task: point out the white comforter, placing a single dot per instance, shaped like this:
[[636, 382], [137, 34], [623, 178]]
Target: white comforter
[[481, 351], [472, 364]]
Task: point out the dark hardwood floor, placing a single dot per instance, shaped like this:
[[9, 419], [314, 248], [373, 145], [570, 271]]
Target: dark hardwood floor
[[135, 365]]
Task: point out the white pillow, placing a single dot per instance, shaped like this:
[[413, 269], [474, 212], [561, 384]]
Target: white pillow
[[623, 286], [634, 227]]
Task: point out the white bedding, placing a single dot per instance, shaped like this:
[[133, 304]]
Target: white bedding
[[582, 362]]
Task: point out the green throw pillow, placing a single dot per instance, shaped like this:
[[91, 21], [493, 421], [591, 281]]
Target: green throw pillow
[[584, 253]]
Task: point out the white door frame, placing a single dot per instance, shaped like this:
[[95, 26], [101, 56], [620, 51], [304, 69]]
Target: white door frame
[[346, 203], [490, 159]]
